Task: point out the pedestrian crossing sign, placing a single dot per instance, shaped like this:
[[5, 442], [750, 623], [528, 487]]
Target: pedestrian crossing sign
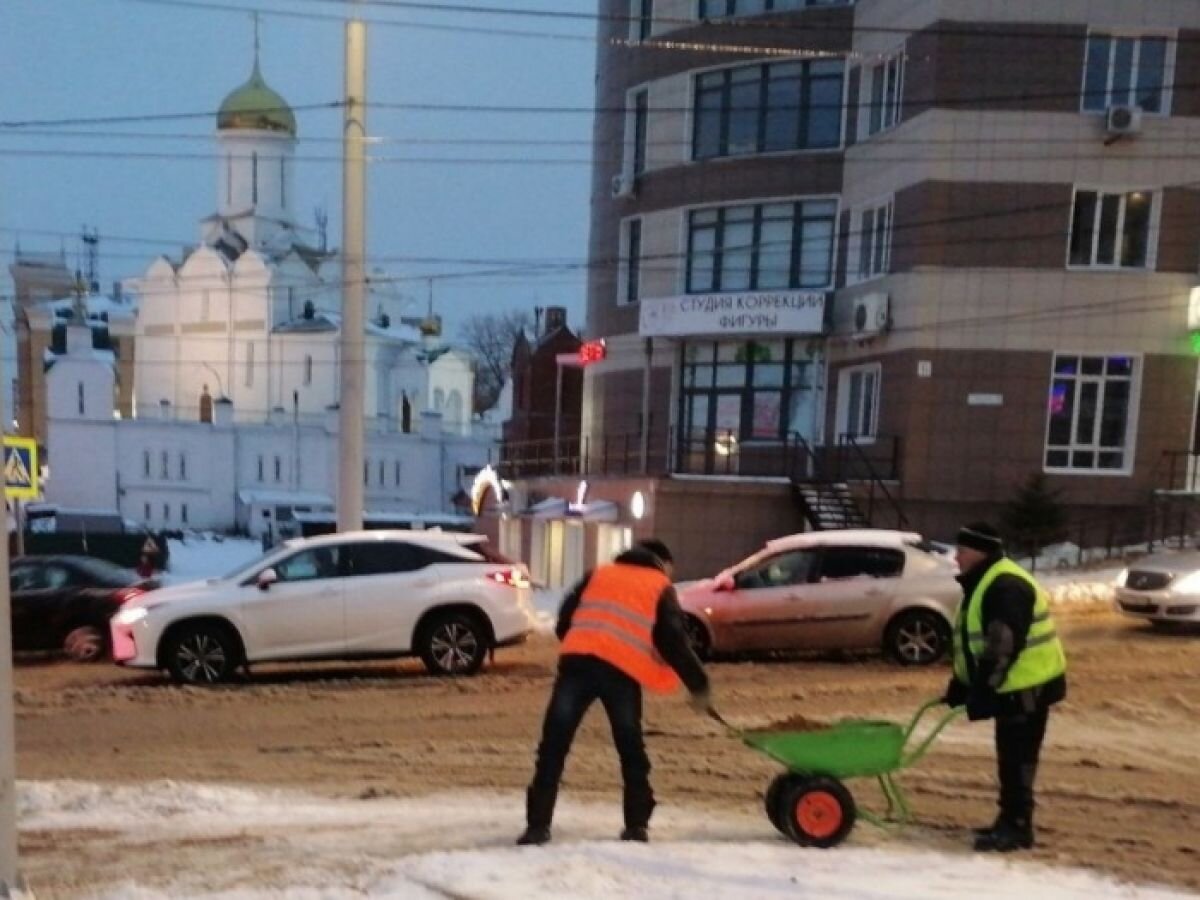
[[21, 468]]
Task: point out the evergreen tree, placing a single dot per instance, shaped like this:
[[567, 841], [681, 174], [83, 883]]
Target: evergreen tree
[[1035, 517]]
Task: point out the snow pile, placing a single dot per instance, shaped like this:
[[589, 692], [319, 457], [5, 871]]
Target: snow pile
[[163, 839], [1081, 590]]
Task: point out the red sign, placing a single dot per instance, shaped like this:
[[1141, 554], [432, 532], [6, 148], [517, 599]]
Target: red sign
[[592, 352]]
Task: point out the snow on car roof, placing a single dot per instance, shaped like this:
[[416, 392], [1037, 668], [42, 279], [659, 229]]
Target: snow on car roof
[[428, 536], [869, 537]]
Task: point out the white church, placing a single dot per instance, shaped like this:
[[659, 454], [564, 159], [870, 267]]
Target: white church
[[236, 378]]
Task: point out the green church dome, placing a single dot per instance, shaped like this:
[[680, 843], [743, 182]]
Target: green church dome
[[254, 105]]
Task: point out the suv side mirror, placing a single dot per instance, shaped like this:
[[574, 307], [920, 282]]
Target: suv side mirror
[[266, 578]]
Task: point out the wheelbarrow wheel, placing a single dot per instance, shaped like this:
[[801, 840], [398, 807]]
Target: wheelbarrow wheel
[[773, 800], [818, 812]]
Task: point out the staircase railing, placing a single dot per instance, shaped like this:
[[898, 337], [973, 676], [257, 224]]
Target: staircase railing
[[852, 457]]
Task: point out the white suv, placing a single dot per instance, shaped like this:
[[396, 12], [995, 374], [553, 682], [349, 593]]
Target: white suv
[[372, 594]]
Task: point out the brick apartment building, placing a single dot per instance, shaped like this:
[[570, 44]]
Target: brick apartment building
[[925, 247]]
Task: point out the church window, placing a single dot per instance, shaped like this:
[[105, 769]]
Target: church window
[[183, 467], [250, 365], [382, 473], [229, 178], [254, 178], [166, 512], [165, 467], [278, 469], [146, 511], [308, 369], [405, 414], [291, 303], [79, 397], [397, 473], [146, 468], [183, 513], [282, 181], [261, 477]]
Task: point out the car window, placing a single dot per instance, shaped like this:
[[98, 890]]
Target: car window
[[103, 573], [858, 562], [309, 565], [383, 558], [26, 578], [781, 570]]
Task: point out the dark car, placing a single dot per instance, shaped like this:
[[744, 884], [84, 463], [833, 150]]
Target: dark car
[[65, 602]]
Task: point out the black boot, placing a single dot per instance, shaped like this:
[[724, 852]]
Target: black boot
[[987, 829], [539, 811], [1007, 836], [637, 833], [639, 804]]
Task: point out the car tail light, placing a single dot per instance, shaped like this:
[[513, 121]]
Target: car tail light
[[124, 595], [513, 578]]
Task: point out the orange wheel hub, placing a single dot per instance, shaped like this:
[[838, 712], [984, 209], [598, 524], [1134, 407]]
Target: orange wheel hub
[[819, 814]]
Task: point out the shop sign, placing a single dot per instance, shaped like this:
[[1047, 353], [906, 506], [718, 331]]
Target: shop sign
[[751, 313]]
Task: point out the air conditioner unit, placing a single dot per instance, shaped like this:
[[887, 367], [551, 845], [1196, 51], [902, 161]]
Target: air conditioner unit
[[1122, 120], [870, 315], [623, 186]]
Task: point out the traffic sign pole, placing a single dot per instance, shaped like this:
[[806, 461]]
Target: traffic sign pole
[[8, 743]]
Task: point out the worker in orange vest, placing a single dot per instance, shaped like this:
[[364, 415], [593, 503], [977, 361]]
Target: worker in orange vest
[[621, 630]]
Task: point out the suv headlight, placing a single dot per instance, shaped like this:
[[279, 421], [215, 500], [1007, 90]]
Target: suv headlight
[[1188, 584], [1123, 578]]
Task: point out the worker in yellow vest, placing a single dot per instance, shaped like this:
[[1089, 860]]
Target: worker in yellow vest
[[621, 630], [1009, 665]]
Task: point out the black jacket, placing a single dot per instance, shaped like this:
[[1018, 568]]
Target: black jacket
[[670, 635], [1006, 616]]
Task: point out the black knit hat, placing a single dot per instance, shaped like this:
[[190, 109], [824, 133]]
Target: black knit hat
[[658, 548], [980, 536]]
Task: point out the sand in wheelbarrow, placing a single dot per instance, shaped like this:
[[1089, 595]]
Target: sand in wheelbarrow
[[793, 724]]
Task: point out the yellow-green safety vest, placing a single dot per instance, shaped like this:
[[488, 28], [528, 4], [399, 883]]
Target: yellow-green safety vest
[[1043, 658]]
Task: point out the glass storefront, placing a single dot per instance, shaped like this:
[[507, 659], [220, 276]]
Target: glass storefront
[[735, 395]]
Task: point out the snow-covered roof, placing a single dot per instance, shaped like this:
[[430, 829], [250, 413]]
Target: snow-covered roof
[[284, 498], [49, 357], [862, 537], [97, 305]]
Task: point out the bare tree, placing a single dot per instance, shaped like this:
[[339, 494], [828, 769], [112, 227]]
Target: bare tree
[[491, 337]]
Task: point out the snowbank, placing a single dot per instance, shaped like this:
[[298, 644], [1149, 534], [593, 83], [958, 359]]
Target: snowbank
[[165, 839]]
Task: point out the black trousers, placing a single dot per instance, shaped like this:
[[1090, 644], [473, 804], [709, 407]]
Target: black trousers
[[581, 681], [1019, 740]]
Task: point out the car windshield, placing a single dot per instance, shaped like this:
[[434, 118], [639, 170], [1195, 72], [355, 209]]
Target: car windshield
[[246, 568], [101, 571]]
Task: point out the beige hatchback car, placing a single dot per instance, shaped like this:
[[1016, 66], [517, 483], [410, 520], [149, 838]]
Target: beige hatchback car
[[862, 589]]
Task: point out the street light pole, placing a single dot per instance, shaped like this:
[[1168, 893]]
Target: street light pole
[[353, 337]]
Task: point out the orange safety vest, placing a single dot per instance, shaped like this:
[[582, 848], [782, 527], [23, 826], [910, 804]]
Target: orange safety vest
[[615, 622]]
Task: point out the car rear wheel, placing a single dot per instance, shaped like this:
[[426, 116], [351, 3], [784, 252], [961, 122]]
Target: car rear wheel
[[697, 636], [917, 637], [85, 644], [454, 644], [201, 654]]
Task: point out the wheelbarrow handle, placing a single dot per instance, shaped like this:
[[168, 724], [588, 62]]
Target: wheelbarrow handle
[[712, 713], [915, 754]]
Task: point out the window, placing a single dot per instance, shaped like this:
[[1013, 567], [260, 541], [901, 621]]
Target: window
[[146, 511], [308, 370], [858, 402], [642, 18], [396, 473], [641, 113], [782, 570], [250, 365], [228, 178], [712, 9], [183, 513], [166, 512], [183, 467], [874, 235], [382, 473], [291, 295], [366, 472], [283, 181], [393, 557], [631, 262], [883, 95], [79, 398], [261, 469], [1112, 230], [1127, 70], [1090, 420], [146, 464], [254, 178], [164, 468], [857, 562], [309, 565], [773, 246], [768, 108], [278, 469], [734, 391]]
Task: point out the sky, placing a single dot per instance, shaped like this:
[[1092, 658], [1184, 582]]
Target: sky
[[67, 59]]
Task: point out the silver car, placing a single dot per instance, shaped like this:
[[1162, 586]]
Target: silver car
[[1162, 589]]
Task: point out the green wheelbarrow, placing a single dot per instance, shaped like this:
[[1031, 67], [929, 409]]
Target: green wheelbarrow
[[810, 802]]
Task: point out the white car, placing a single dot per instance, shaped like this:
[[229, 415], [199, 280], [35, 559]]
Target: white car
[[373, 594]]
